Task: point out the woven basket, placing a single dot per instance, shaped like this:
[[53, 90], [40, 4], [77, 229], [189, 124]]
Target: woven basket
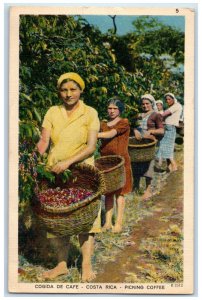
[[78, 217], [113, 170], [180, 129], [143, 150]]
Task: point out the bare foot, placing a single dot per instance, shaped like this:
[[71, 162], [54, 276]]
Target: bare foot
[[106, 227], [117, 228], [60, 269], [172, 168], [87, 273], [147, 195]]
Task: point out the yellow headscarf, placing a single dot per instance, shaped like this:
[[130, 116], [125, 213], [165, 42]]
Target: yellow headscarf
[[72, 76]]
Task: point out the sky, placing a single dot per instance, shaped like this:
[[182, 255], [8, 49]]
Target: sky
[[124, 23]]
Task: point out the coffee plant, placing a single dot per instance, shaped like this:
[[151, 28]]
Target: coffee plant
[[148, 60]]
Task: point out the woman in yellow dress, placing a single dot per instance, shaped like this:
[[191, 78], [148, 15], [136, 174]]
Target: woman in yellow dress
[[72, 130]]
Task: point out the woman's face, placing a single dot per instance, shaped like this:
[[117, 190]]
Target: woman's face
[[146, 105], [169, 100], [70, 93], [159, 106], [113, 111]]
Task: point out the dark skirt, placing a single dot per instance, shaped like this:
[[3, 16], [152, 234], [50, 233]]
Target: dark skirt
[[143, 169]]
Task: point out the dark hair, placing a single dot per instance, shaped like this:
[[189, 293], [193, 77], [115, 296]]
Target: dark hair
[[117, 101]]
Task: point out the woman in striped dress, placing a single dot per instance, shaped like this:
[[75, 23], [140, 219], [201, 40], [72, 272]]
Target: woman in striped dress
[[171, 117]]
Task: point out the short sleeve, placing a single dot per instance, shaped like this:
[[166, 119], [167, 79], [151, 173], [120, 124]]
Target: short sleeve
[[122, 126], [93, 123], [159, 121], [174, 108], [47, 121]]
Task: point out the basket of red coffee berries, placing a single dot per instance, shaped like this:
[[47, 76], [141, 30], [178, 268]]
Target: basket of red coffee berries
[[71, 207]]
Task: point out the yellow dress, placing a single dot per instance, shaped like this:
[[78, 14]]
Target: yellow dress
[[69, 136]]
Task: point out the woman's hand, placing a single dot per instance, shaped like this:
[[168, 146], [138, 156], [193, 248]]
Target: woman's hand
[[149, 135], [60, 167], [137, 134], [151, 131]]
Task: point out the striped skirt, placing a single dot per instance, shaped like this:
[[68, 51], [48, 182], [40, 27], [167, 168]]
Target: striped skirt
[[167, 144]]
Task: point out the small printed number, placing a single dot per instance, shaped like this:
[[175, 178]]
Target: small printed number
[[176, 284]]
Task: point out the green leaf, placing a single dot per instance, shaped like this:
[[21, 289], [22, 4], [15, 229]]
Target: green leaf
[[29, 114], [65, 175], [44, 173], [37, 114], [26, 97], [28, 130]]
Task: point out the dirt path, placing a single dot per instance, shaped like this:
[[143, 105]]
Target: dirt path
[[166, 214]]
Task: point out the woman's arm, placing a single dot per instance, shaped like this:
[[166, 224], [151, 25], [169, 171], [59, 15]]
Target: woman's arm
[[166, 113], [44, 141], [79, 156], [137, 134], [156, 131], [107, 134]]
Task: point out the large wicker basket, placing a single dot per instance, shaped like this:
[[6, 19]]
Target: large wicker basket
[[180, 129], [80, 216], [113, 170], [143, 150]]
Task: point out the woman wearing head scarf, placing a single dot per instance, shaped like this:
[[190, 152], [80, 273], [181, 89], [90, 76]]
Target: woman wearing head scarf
[[71, 128], [115, 135], [171, 117], [159, 105], [150, 126]]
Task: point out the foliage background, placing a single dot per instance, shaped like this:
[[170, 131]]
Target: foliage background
[[148, 60]]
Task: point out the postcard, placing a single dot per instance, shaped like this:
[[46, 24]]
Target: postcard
[[101, 150]]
